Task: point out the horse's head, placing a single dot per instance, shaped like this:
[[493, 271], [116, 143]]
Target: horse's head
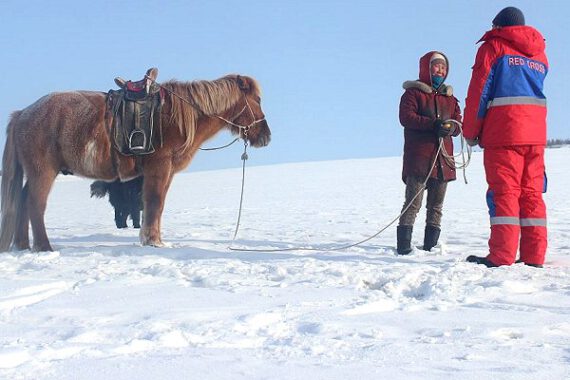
[[250, 120]]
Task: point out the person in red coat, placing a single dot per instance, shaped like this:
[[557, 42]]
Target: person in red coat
[[505, 113], [425, 106]]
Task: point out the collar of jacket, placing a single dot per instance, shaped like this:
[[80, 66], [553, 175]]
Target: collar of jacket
[[523, 38], [443, 90]]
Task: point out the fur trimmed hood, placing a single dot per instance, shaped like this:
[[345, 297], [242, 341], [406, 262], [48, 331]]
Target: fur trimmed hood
[[445, 89], [425, 64]]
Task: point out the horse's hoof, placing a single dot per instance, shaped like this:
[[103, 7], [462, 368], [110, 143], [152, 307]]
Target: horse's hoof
[[21, 246], [152, 243], [42, 248]]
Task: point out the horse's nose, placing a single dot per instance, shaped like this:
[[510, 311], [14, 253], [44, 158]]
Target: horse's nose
[[263, 137], [265, 140]]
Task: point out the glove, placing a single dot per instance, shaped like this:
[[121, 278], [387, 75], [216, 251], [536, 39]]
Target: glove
[[472, 142], [443, 129]]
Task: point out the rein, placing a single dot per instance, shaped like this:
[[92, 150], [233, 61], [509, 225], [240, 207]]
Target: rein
[[221, 147]]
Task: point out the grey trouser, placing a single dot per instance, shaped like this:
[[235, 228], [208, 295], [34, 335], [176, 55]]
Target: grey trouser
[[435, 196]]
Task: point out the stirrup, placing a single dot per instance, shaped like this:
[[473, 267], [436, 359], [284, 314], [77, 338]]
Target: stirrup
[[137, 141]]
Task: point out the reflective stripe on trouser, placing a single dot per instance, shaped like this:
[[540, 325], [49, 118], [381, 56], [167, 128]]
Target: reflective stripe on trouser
[[515, 176]]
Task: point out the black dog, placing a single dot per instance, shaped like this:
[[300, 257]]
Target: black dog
[[126, 198]]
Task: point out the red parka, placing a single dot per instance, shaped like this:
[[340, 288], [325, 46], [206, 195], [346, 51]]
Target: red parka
[[420, 106], [505, 103]]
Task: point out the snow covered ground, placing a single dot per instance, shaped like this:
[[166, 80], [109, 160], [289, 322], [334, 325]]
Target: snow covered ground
[[103, 307]]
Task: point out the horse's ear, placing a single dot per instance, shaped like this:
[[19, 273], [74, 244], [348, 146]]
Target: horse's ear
[[243, 83], [152, 73]]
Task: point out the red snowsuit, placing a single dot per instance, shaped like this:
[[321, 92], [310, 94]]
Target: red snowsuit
[[506, 110]]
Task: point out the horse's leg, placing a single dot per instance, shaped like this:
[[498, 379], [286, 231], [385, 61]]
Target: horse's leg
[[39, 185], [167, 187], [155, 187], [21, 235]]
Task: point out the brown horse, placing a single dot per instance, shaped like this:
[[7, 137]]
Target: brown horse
[[69, 132]]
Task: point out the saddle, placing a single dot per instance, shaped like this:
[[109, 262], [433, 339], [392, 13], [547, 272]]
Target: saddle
[[134, 111]]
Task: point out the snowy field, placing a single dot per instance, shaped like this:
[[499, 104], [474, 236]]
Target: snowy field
[[103, 307]]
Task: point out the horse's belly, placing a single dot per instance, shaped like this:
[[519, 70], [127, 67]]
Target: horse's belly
[[99, 164]]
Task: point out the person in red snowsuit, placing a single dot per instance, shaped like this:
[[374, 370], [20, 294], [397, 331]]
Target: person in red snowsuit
[[505, 113]]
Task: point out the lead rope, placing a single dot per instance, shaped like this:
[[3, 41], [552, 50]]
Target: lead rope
[[339, 248], [244, 158], [441, 149], [450, 158]]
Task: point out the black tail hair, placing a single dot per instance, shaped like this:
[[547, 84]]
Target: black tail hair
[[99, 189]]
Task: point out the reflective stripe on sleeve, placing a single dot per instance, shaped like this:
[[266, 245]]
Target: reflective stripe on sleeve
[[516, 100]]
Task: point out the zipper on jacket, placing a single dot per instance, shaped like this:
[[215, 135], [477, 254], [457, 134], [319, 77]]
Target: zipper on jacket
[[435, 93]]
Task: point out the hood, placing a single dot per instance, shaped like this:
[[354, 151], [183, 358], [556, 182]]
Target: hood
[[425, 75], [522, 38]]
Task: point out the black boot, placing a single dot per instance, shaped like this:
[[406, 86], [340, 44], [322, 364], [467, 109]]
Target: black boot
[[431, 237], [481, 260], [530, 265], [404, 234]]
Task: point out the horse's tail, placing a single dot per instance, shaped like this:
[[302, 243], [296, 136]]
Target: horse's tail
[[99, 189], [12, 181]]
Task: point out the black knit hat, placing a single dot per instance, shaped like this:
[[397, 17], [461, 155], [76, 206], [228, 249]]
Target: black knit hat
[[508, 17]]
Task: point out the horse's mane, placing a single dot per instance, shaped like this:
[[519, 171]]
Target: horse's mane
[[202, 97]]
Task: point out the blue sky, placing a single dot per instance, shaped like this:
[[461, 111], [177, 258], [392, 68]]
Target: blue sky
[[331, 71]]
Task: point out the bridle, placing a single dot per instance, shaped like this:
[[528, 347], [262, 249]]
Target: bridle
[[243, 128]]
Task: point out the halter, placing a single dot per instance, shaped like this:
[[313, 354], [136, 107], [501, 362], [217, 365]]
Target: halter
[[244, 128]]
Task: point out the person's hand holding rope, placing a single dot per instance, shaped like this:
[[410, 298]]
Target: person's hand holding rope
[[443, 128]]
